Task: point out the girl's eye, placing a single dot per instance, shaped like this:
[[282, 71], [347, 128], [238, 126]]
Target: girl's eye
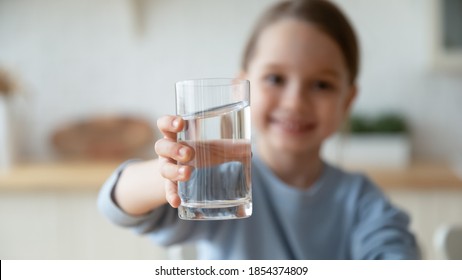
[[274, 79], [322, 85]]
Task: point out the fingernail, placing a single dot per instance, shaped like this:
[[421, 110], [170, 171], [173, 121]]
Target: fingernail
[[181, 170], [182, 152], [175, 123]]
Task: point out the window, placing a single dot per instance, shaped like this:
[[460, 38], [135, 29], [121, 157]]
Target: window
[[448, 35]]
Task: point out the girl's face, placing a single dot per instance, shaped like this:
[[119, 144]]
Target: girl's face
[[300, 87]]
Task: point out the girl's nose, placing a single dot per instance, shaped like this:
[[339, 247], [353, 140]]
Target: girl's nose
[[295, 97]]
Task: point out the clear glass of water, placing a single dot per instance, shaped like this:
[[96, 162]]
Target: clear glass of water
[[217, 127]]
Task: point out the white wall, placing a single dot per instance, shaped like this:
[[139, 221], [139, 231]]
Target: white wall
[[84, 57], [398, 74]]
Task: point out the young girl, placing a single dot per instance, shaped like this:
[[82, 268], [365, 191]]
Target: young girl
[[302, 61]]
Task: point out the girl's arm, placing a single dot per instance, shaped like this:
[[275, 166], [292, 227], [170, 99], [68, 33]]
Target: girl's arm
[[144, 186], [140, 188]]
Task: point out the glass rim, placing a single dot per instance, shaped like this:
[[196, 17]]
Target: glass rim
[[209, 82]]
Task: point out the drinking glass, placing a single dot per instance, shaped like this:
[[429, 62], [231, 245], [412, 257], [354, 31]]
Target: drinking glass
[[217, 126]]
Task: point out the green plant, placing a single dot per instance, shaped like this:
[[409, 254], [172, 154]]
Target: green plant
[[388, 123]]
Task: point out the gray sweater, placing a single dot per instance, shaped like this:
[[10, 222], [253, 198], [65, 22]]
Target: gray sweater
[[342, 216]]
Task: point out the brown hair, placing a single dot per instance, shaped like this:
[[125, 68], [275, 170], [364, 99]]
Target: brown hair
[[321, 13]]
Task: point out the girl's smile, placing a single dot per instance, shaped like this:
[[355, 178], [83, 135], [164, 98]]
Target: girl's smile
[[291, 126]]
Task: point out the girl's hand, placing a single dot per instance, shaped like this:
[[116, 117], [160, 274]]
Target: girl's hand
[[171, 154], [178, 160]]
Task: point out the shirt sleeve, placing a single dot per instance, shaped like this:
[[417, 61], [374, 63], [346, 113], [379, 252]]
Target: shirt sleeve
[[162, 224], [109, 208], [382, 230]]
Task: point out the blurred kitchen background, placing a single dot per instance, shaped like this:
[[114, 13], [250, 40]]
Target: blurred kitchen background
[[82, 83]]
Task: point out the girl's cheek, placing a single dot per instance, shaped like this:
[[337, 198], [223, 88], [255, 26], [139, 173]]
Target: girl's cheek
[[258, 114]]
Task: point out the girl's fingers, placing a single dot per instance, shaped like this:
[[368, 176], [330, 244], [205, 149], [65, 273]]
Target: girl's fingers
[[170, 126], [174, 172], [171, 194], [171, 149]]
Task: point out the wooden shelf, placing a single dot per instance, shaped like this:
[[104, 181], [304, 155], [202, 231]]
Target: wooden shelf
[[57, 176], [71, 176], [419, 175]]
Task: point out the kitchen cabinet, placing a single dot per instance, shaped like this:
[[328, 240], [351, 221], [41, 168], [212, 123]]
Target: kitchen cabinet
[[48, 210]]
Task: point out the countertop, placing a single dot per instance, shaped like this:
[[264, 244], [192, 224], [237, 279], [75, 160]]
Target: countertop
[[60, 176], [71, 176]]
